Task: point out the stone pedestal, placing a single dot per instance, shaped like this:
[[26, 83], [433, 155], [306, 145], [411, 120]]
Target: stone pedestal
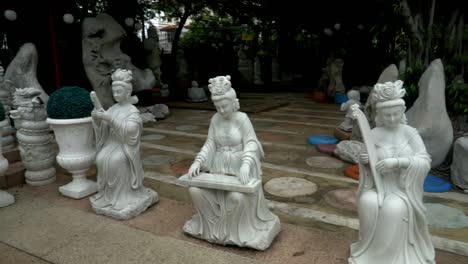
[[37, 154]]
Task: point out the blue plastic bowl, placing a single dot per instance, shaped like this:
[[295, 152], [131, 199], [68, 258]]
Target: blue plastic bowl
[[436, 184], [317, 140], [341, 98]]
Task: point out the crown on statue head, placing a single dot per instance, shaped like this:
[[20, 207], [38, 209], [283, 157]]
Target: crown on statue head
[[219, 85], [389, 94]]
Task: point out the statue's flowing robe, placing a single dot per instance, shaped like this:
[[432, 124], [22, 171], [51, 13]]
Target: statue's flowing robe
[[396, 232], [119, 167], [225, 217]]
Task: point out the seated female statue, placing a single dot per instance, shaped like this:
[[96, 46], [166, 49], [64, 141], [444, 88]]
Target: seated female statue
[[120, 172], [393, 226], [232, 148]]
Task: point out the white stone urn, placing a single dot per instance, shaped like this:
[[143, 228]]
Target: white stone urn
[[77, 152]]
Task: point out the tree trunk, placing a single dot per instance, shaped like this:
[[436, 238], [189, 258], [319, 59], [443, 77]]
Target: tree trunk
[[429, 34], [173, 57], [415, 29]]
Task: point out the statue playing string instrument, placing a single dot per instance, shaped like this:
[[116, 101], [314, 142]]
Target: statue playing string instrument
[[231, 210], [393, 226]]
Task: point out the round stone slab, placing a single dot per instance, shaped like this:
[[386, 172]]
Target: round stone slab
[[344, 198], [326, 148], [156, 160], [441, 216], [289, 187], [152, 137], [186, 127]]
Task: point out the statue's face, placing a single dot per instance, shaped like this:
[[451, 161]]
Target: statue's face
[[120, 93], [391, 116], [225, 107]]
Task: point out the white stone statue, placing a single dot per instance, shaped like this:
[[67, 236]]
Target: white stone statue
[[225, 215], [392, 219], [354, 97], [119, 168], [5, 198], [195, 93]]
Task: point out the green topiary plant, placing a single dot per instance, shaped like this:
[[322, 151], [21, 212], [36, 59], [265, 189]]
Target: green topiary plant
[[2, 112], [69, 102]]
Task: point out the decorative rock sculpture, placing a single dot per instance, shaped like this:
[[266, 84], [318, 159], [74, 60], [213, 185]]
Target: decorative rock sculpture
[[5, 198], [429, 113], [258, 71], [195, 93], [21, 72], [153, 58], [101, 39], [231, 210], [35, 141], [389, 74], [353, 98], [393, 225], [459, 167], [119, 168]]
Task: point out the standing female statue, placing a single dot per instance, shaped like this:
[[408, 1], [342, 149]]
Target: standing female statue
[[120, 172], [393, 226], [228, 217]]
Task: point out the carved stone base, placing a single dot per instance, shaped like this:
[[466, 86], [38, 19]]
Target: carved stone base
[[6, 199], [262, 241], [79, 188], [149, 198]]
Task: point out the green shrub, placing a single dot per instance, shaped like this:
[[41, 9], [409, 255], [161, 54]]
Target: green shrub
[[69, 102]]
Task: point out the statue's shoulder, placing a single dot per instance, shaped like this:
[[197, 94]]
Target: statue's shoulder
[[241, 117], [410, 131]]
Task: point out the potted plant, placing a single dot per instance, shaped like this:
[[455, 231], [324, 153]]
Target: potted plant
[[69, 114]]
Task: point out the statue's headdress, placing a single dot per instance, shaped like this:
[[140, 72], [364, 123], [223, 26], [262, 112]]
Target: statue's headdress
[[124, 78], [389, 94], [220, 88]]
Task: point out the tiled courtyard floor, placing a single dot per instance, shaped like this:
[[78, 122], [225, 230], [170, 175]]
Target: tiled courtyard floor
[[44, 227]]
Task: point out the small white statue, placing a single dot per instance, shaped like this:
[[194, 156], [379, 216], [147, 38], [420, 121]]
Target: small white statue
[[232, 148], [120, 171], [354, 97], [195, 93], [392, 220]]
